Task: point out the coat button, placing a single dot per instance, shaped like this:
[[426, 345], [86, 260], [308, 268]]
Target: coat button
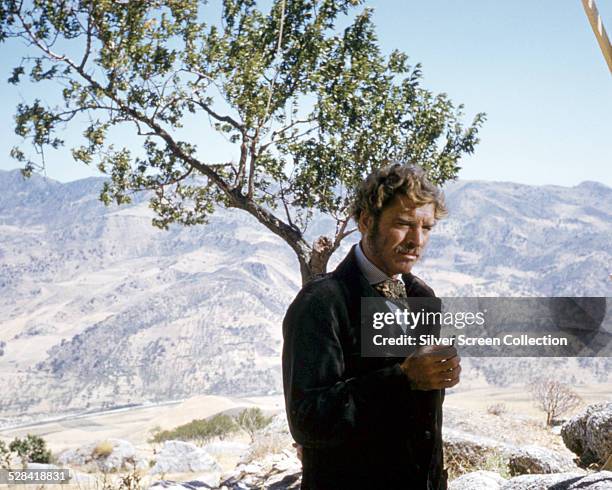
[[427, 435]]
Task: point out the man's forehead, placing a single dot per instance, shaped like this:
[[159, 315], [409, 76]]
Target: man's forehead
[[404, 206]]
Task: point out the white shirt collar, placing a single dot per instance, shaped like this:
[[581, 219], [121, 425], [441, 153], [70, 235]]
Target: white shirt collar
[[372, 273]]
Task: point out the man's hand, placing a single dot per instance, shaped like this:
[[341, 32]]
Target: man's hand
[[432, 368], [298, 450]]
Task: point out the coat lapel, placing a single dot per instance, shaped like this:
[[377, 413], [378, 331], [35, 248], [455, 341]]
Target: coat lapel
[[357, 287]]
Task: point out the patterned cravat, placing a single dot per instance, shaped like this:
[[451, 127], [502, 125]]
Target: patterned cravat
[[391, 288]]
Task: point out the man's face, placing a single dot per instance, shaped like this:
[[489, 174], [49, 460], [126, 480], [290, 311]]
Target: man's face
[[396, 240]]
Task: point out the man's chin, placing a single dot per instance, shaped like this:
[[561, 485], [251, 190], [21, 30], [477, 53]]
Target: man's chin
[[404, 266]]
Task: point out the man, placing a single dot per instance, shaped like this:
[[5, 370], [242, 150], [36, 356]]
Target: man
[[369, 422]]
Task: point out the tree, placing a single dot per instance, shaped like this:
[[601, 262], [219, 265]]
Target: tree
[[32, 449], [310, 109], [251, 420], [553, 397]]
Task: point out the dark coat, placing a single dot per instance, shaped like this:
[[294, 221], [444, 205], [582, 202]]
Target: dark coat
[[360, 424]]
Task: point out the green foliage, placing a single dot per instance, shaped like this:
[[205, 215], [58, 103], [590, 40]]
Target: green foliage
[[309, 108], [251, 420], [200, 431], [32, 449], [5, 455]]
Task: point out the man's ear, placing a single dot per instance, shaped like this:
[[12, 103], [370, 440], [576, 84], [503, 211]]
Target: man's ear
[[365, 222]]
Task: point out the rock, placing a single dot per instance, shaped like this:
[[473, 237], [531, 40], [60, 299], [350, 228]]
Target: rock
[[601, 480], [589, 434], [211, 479], [42, 466], [277, 424], [183, 457], [226, 448], [284, 481], [478, 480], [182, 485], [282, 471], [535, 459], [538, 482], [76, 477], [469, 450], [104, 455], [83, 480]]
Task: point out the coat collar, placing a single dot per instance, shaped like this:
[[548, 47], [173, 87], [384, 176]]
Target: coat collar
[[348, 271]]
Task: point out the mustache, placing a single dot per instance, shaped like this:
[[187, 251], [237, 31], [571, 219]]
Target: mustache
[[408, 249]]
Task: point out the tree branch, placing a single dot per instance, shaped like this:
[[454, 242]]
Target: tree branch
[[254, 154], [235, 196], [88, 43], [278, 49], [227, 119]]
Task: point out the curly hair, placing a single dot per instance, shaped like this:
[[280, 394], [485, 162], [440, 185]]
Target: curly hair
[[382, 185]]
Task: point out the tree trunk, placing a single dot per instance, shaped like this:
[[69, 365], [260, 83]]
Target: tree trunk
[[316, 262], [312, 259]]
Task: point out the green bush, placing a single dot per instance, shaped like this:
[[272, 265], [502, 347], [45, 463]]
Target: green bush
[[32, 449], [251, 420], [5, 455], [200, 431]]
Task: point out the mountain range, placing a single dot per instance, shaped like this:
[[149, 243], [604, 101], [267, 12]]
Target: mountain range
[[100, 308]]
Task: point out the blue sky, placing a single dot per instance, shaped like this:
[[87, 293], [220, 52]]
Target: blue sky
[[534, 67]]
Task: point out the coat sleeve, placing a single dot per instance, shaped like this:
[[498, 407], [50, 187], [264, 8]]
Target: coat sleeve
[[324, 407]]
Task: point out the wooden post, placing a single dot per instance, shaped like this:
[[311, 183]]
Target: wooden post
[[600, 33]]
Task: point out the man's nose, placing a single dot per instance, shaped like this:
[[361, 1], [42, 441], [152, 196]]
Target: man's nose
[[415, 237]]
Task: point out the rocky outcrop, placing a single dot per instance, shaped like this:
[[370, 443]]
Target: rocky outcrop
[[275, 472], [195, 484], [282, 472], [466, 450], [561, 481], [536, 459], [478, 480], [469, 450], [589, 434], [226, 448], [105, 455], [184, 457], [463, 449], [76, 477]]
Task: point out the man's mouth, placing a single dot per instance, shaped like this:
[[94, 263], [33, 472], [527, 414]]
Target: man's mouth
[[409, 255]]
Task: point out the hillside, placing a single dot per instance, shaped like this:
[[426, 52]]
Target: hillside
[[102, 309]]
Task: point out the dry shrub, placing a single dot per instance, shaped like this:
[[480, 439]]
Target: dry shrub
[[458, 465], [132, 480], [497, 409], [102, 450], [271, 443]]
